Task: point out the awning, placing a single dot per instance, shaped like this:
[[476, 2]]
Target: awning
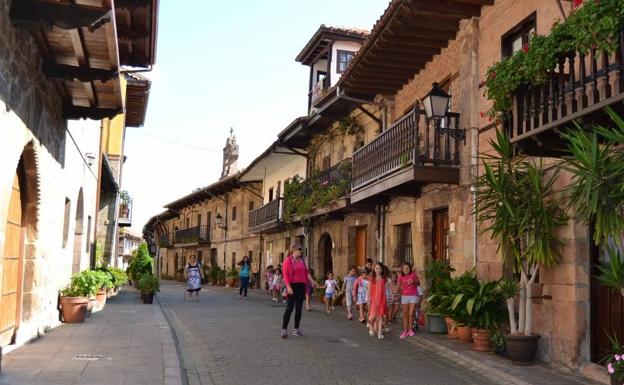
[[108, 178], [406, 37]]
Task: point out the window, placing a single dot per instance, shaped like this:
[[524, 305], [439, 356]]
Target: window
[[518, 37], [188, 223], [320, 75], [251, 206], [66, 221], [326, 162], [403, 252], [234, 214], [344, 58], [198, 219], [270, 194], [250, 254]]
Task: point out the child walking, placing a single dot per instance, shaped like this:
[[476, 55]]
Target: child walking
[[309, 287], [268, 279], [395, 302], [360, 293], [330, 292], [277, 284], [347, 288], [408, 284], [378, 305]]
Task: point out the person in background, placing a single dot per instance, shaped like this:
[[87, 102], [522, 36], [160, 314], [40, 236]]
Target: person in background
[[369, 265], [268, 279], [347, 289], [295, 277], [395, 304], [360, 293], [309, 288], [276, 284], [243, 275], [194, 276]]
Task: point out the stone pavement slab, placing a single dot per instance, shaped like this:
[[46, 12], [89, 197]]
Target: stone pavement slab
[[131, 343]]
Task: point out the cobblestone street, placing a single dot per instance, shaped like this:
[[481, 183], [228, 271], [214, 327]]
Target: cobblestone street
[[224, 340]]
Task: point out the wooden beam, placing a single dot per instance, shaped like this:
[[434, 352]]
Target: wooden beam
[[132, 4], [384, 66], [76, 38], [445, 9], [38, 14], [411, 33], [78, 112], [131, 34], [401, 46], [113, 57], [83, 73]]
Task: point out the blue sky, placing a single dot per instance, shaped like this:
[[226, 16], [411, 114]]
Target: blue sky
[[223, 64]]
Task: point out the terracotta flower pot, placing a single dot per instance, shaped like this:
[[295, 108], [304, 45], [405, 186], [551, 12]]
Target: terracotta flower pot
[[73, 309], [100, 298], [481, 340], [464, 333], [451, 328], [90, 306], [521, 349]]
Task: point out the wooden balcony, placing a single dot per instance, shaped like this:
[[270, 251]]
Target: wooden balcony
[[165, 240], [266, 218], [578, 89], [125, 214], [319, 90], [410, 153], [337, 175], [192, 236]]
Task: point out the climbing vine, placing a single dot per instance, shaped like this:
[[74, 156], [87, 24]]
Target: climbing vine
[[347, 126], [597, 24]]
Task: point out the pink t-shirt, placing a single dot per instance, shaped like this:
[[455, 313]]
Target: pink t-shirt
[[407, 284], [295, 272]]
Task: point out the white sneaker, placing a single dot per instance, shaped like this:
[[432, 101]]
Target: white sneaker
[[380, 336], [371, 333]]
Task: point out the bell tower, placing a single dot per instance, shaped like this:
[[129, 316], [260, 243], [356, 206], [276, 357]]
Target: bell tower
[[230, 156]]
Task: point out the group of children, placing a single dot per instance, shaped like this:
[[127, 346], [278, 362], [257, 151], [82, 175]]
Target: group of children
[[378, 294]]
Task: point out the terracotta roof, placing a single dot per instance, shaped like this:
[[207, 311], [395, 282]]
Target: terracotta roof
[[323, 36]]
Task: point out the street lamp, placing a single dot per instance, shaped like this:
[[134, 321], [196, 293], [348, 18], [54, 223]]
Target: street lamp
[[219, 221], [437, 104], [90, 158]]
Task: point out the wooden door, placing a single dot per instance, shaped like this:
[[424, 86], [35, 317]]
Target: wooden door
[[360, 246], [11, 267], [607, 310], [328, 262], [440, 235]]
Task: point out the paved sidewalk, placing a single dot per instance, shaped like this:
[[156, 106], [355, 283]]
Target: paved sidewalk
[[130, 343]]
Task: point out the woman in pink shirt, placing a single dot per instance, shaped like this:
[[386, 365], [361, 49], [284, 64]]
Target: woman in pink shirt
[[295, 278], [408, 286]]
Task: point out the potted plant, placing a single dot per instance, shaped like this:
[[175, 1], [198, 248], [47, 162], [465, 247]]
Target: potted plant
[[104, 282], [485, 312], [464, 288], [232, 277], [438, 275], [120, 278], [148, 285], [75, 297], [213, 274], [221, 275], [517, 206]]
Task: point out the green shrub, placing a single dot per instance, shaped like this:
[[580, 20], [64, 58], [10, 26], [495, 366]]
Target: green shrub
[[148, 284], [104, 277], [83, 284], [141, 263], [119, 276]]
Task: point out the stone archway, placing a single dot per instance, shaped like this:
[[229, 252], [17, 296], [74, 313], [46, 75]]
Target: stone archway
[[78, 233], [18, 303], [325, 257]]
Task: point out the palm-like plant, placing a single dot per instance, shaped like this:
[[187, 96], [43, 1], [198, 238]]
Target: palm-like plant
[[516, 203], [597, 190]]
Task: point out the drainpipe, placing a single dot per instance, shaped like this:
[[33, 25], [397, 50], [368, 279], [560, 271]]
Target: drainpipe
[[382, 241]]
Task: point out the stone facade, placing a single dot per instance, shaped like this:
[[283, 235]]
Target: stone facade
[[59, 188]]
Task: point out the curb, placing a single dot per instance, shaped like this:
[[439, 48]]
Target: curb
[[178, 374]]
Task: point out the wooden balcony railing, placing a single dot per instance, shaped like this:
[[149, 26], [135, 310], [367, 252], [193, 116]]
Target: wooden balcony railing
[[266, 214], [165, 240], [125, 213], [320, 88], [411, 141], [580, 83]]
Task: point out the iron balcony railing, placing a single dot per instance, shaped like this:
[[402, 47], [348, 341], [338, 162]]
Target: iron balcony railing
[[125, 213], [197, 234], [337, 175], [165, 240], [266, 214], [412, 141], [579, 84]]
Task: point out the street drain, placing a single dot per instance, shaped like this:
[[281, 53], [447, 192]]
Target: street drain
[[87, 357]]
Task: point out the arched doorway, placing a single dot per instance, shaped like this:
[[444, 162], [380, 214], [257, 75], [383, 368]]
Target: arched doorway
[[78, 233], [19, 238], [325, 254]]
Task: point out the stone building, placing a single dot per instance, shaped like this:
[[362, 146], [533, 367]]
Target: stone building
[[210, 223], [60, 62]]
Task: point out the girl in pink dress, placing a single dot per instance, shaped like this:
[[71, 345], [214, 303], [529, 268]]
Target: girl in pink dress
[[408, 285], [378, 306]]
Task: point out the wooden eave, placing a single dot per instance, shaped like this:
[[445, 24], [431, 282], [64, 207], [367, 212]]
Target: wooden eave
[[321, 40], [78, 43], [220, 187], [137, 96], [406, 37], [137, 30]]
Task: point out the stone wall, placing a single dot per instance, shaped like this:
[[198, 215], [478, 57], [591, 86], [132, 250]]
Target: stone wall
[[33, 129]]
